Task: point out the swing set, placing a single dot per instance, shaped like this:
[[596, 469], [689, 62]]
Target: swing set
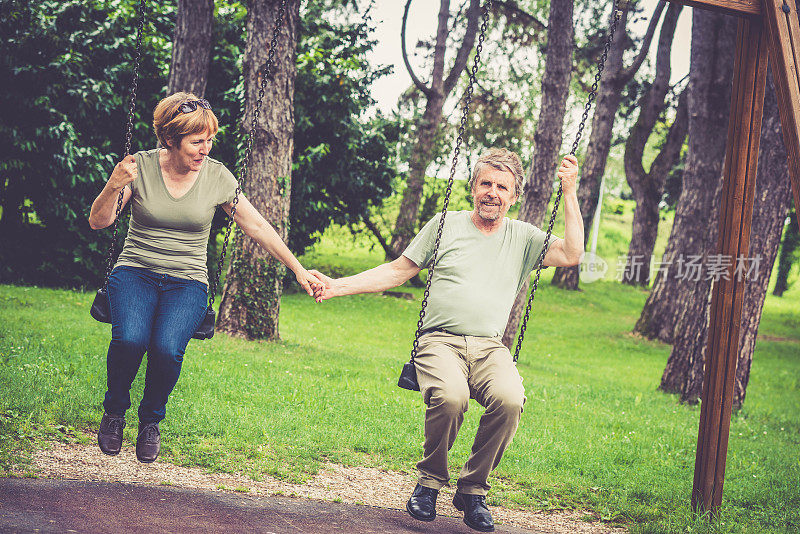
[[767, 29]]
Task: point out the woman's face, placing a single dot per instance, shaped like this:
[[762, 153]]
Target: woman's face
[[193, 150]]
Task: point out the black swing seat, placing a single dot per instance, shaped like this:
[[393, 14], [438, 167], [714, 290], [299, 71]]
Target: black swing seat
[[408, 377]]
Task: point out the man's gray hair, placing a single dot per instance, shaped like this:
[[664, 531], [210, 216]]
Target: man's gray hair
[[501, 159]]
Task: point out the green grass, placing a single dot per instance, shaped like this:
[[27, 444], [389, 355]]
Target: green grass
[[595, 433]]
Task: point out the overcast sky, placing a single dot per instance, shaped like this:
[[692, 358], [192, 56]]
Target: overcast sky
[[388, 15]]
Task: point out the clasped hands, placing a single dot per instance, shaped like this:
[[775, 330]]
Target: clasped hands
[[315, 283], [326, 289]]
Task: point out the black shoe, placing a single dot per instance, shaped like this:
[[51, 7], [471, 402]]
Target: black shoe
[[148, 443], [476, 514], [422, 504], [109, 437]]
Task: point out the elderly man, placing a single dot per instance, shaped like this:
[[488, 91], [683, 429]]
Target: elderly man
[[483, 260]]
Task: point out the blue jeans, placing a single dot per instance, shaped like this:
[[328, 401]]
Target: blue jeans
[[153, 313]]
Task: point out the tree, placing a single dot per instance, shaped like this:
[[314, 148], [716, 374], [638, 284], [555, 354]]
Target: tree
[[694, 230], [609, 96], [251, 300], [681, 293], [788, 257], [191, 47], [343, 161], [436, 92], [647, 186], [772, 199], [548, 137], [66, 67]]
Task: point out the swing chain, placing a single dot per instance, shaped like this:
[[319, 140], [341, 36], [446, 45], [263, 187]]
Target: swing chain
[[128, 135], [616, 14], [244, 161], [457, 150]]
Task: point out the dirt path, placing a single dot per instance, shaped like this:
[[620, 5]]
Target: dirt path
[[353, 485]]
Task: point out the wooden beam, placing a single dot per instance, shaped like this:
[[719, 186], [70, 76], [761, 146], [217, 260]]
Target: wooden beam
[[730, 7], [784, 54], [741, 161]]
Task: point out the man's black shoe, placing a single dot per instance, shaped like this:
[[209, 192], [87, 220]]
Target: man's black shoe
[[476, 514], [422, 504], [109, 437], [148, 443]]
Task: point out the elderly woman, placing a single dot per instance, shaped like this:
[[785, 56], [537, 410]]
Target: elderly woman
[[159, 286]]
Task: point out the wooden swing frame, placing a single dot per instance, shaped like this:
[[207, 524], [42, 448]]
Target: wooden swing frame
[[767, 29]]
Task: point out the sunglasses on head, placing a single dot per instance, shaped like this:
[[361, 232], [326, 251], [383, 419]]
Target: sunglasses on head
[[191, 105]]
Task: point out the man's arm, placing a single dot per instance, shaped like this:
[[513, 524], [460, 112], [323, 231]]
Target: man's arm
[[568, 251], [375, 280]]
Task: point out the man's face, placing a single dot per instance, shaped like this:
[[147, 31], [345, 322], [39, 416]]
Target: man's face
[[493, 193]]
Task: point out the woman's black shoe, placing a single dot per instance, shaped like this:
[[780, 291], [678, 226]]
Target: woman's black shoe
[[109, 437], [148, 443], [476, 515], [422, 504]]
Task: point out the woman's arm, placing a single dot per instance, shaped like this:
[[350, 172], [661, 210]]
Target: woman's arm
[[104, 207], [256, 226]]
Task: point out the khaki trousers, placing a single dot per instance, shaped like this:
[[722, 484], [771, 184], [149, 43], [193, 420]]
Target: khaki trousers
[[450, 370]]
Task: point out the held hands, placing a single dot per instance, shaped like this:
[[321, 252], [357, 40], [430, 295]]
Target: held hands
[[568, 174], [124, 173], [311, 283], [327, 290]]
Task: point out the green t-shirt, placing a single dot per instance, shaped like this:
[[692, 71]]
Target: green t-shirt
[[477, 276], [169, 235]]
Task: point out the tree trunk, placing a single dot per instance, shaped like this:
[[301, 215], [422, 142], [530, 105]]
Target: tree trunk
[[609, 96], [436, 94], [791, 240], [548, 136], [683, 296], [251, 300], [647, 187], [191, 47], [421, 154], [694, 231]]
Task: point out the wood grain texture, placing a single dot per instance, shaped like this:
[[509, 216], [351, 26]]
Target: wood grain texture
[[784, 44], [729, 7], [728, 293]]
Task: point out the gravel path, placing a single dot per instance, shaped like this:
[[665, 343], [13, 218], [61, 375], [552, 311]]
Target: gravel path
[[355, 485]]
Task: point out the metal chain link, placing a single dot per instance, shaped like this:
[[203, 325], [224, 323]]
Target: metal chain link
[[459, 140], [244, 161], [128, 136], [616, 14]]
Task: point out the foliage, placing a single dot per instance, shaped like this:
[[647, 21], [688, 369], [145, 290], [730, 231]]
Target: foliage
[[65, 67], [343, 160], [789, 254]]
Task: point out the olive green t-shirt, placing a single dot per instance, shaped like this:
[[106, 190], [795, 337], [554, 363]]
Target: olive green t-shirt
[[477, 276], [169, 235]]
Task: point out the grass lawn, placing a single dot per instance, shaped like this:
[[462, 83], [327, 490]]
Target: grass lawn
[[595, 433]]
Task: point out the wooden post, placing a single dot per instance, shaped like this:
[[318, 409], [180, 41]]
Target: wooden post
[[781, 21], [741, 160], [771, 24]]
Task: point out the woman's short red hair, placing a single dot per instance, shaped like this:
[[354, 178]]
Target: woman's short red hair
[[171, 125]]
